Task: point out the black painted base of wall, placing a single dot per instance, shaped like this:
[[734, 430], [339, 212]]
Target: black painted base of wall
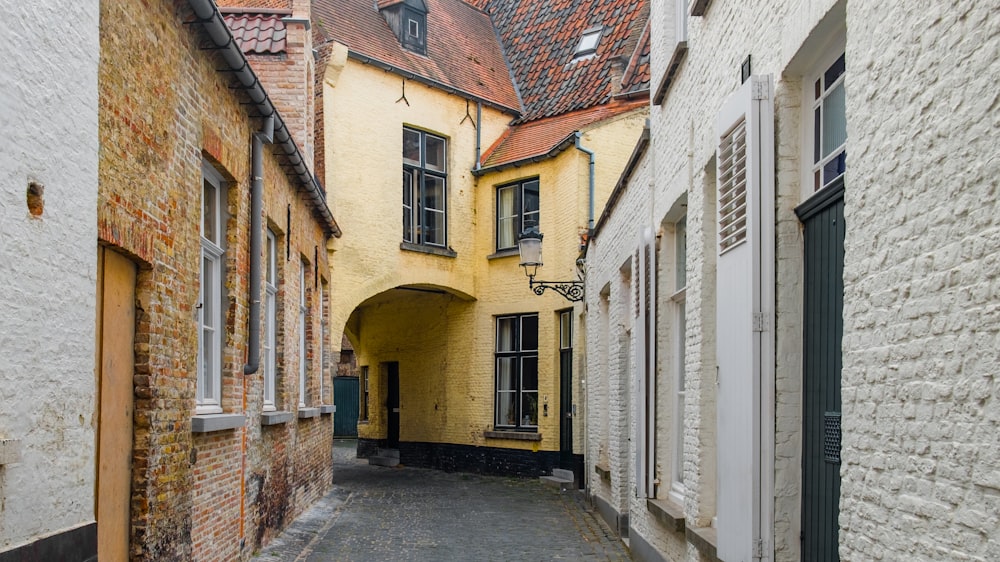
[[369, 447], [493, 461], [75, 545], [642, 551]]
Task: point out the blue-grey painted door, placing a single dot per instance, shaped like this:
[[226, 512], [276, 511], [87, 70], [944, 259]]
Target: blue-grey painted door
[[345, 396], [823, 219]]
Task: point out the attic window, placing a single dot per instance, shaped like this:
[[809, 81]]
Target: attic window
[[414, 35], [588, 43]]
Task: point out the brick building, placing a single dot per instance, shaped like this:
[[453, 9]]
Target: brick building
[[790, 291], [213, 234], [492, 136]]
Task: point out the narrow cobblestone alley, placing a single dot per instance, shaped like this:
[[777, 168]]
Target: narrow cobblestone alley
[[377, 513]]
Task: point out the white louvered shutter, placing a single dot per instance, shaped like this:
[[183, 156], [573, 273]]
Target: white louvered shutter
[[744, 320]]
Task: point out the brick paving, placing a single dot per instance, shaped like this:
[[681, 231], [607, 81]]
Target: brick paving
[[377, 513]]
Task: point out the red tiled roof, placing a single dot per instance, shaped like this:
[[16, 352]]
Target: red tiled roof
[[258, 34], [462, 47], [253, 5], [541, 37], [636, 78], [540, 137]]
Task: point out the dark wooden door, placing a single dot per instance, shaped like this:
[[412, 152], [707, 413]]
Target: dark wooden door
[[823, 219], [392, 404], [566, 390], [345, 396]]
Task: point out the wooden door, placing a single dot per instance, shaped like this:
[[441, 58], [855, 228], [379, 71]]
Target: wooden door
[[392, 403], [115, 362], [823, 219]]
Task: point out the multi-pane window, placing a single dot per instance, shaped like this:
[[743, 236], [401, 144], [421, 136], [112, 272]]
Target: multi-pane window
[[517, 211], [303, 367], [517, 372], [679, 333], [210, 333], [829, 124], [364, 393], [270, 319], [425, 183]]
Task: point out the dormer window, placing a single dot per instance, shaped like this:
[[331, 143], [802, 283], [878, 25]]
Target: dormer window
[[588, 43], [408, 21]]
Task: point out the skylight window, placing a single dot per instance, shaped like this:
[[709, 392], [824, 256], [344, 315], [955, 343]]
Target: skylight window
[[588, 43]]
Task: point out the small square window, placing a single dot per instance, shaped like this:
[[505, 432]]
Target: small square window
[[413, 29], [588, 43]]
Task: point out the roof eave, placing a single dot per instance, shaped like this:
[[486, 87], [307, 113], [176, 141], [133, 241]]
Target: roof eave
[[552, 153]]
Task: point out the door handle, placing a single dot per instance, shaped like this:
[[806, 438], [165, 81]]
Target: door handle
[[395, 410]]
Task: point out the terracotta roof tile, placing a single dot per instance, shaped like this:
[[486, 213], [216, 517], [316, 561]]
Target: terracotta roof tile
[[463, 51], [542, 136], [253, 5], [541, 38], [258, 34], [636, 78]]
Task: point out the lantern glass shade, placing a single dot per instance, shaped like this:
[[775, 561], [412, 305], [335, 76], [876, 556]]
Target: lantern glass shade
[[529, 244]]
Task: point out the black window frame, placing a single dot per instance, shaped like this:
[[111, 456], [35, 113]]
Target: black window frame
[[522, 356], [519, 209], [414, 192]]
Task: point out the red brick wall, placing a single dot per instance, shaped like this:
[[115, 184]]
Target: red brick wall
[[213, 496]]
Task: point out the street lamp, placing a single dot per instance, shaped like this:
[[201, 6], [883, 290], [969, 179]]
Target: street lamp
[[529, 244]]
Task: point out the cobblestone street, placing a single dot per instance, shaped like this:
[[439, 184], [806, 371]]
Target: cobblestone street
[[376, 513]]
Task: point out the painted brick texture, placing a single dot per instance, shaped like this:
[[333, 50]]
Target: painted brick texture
[[219, 495], [48, 107]]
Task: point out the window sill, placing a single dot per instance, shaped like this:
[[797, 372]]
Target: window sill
[[305, 413], [434, 250], [668, 513], [508, 253], [327, 409], [207, 423], [513, 435], [704, 539], [603, 472], [680, 49], [275, 418]]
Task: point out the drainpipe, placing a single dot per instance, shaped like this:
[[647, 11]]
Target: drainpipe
[[265, 135], [590, 219], [479, 133]]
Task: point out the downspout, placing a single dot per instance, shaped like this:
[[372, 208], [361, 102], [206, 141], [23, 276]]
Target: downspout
[[266, 135], [590, 218], [479, 133]]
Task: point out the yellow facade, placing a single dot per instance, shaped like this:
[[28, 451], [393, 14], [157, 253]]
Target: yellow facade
[[435, 314]]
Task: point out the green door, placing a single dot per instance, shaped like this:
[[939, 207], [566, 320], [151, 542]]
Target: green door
[[345, 396], [824, 229]]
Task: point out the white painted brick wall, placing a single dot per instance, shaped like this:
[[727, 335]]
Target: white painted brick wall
[[921, 472], [48, 112]]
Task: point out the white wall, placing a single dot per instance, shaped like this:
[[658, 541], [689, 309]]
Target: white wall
[[48, 114]]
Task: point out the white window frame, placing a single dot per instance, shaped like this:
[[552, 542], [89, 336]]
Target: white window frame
[[303, 368], [681, 10], [210, 328], [833, 51], [415, 175], [677, 487], [516, 219], [322, 340], [270, 321]]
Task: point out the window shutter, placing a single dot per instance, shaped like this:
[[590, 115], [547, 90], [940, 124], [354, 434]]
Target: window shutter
[[744, 319], [645, 364]]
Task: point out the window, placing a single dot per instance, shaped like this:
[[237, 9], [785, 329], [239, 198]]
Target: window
[[322, 343], [270, 313], [424, 188], [828, 138], [517, 372], [414, 37], [588, 43], [209, 396], [517, 211], [303, 367], [364, 393], [679, 335]]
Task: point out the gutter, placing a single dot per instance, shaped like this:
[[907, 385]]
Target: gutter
[[266, 135], [210, 19], [590, 217], [364, 59]]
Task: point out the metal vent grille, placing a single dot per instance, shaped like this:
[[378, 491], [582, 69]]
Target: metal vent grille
[[733, 188], [831, 437]]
